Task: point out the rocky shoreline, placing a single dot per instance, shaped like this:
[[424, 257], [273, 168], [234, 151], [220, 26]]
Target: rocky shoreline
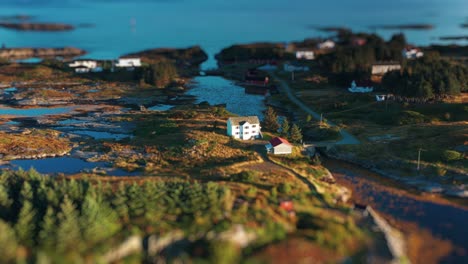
[[25, 53], [36, 156], [417, 183]]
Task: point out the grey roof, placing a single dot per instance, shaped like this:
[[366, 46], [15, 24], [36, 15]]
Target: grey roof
[[242, 119]]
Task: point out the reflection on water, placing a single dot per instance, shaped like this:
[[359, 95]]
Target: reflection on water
[[217, 90], [160, 107], [66, 165], [100, 134]]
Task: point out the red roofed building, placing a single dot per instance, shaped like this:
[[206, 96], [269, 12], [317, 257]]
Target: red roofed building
[[279, 146]]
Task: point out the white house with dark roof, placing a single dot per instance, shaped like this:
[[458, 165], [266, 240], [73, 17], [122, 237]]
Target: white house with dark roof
[[244, 127], [90, 64], [128, 62]]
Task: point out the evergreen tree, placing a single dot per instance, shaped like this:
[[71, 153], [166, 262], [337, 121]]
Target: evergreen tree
[[48, 229], [296, 134], [25, 225], [119, 203], [8, 243], [5, 202], [425, 89], [97, 221], [68, 231], [135, 203], [271, 120], [162, 73], [26, 193], [285, 128]]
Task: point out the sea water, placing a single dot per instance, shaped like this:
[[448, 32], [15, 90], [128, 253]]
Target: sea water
[[125, 26]]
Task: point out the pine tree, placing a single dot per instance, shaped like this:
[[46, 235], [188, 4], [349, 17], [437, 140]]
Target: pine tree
[[285, 128], [47, 233], [296, 134], [5, 202], [271, 120], [25, 225], [119, 203], [68, 231], [26, 193], [8, 243], [135, 203], [97, 221]]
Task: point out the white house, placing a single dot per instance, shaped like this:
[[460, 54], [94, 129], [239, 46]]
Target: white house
[[128, 62], [244, 127], [382, 68], [295, 68], [305, 55], [81, 69], [412, 53], [328, 44], [90, 64], [279, 146]]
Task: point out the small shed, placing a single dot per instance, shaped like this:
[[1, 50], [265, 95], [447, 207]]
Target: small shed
[[279, 146]]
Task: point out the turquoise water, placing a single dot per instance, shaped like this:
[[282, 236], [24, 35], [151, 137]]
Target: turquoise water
[[33, 112], [125, 26]]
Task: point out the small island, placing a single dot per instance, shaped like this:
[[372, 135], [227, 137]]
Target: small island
[[331, 29], [454, 38], [26, 53], [405, 27], [37, 26]]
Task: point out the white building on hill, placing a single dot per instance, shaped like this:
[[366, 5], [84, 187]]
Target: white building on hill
[[90, 64], [382, 68], [128, 62], [279, 146], [244, 127], [305, 55]]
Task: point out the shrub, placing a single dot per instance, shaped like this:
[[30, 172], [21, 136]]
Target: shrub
[[411, 117], [316, 160], [451, 155], [285, 188], [245, 176], [440, 170]]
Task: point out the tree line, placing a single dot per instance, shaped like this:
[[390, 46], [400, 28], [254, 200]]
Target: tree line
[[65, 220], [428, 77]]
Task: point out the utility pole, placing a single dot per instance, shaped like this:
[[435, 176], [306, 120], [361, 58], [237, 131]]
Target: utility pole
[[419, 158]]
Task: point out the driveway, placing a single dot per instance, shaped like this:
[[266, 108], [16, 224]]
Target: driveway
[[346, 137]]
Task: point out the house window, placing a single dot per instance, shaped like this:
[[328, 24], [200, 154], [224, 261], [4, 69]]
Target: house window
[[237, 133], [254, 126], [246, 127], [246, 133]]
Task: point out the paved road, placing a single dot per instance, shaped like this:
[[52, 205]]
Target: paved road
[[346, 137]]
